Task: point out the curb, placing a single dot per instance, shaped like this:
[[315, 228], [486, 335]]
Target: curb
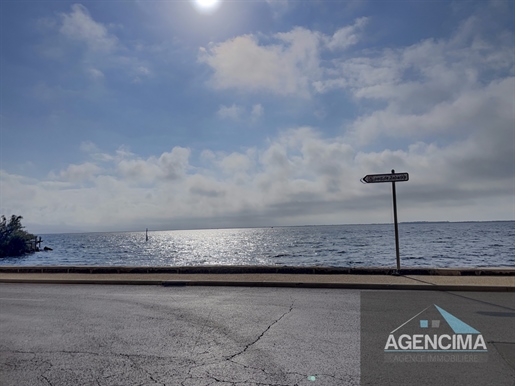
[[284, 284], [371, 286], [249, 269]]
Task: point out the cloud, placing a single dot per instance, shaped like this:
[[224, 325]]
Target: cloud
[[433, 87], [138, 170], [229, 164], [175, 163], [283, 68], [79, 25], [443, 89], [140, 73], [88, 147], [440, 109], [242, 64], [346, 36], [76, 39], [482, 109], [233, 112], [168, 166], [237, 162], [79, 173], [95, 74], [239, 113], [288, 66], [300, 175]]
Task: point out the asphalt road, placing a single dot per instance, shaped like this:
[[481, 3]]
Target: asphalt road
[[151, 335], [139, 335]]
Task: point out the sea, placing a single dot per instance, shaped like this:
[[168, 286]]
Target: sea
[[446, 244]]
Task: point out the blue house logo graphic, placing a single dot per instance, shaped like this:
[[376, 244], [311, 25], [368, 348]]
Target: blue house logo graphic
[[434, 330]]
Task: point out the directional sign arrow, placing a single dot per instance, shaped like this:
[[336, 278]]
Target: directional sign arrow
[[392, 177]]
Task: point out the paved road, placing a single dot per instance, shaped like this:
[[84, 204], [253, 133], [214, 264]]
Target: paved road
[[196, 336], [134, 335]]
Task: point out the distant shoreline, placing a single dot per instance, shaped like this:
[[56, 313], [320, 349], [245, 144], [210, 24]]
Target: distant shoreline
[[278, 226]]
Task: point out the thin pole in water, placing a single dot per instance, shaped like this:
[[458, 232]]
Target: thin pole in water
[[146, 235]]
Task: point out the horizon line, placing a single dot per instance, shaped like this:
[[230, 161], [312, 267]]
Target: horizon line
[[277, 226]]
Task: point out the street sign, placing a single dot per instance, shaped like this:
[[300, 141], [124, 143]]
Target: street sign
[[393, 177]]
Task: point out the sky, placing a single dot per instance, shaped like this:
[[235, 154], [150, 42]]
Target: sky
[[126, 115]]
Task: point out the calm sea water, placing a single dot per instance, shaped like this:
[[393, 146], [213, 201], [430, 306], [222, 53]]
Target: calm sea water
[[484, 244]]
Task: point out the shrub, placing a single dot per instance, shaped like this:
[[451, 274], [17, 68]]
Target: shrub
[[14, 241]]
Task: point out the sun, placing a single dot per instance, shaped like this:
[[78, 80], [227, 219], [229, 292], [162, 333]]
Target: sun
[[206, 5]]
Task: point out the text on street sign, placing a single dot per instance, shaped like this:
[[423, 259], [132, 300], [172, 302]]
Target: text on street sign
[[393, 177]]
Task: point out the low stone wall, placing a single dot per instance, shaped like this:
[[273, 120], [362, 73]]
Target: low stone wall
[[231, 269]]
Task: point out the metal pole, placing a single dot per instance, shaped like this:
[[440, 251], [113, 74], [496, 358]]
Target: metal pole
[[396, 225]]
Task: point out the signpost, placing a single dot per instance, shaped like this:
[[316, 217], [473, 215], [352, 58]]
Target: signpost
[[373, 178], [393, 177]]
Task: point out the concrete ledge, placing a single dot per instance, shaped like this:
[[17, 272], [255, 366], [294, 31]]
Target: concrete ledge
[[370, 285], [80, 281], [222, 269]]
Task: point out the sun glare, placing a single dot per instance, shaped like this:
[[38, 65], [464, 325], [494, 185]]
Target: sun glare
[[206, 5]]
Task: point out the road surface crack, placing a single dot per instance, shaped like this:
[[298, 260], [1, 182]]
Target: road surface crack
[[262, 334], [46, 379], [137, 366]]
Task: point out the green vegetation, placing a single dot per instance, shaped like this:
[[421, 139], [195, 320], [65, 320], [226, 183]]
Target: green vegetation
[[14, 241]]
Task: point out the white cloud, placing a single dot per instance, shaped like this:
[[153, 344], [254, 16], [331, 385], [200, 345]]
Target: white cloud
[[168, 166], [79, 173], [283, 68], [233, 112], [79, 25], [95, 74], [139, 72], [477, 110], [445, 106], [175, 163], [88, 147], [229, 164], [96, 48], [236, 162], [138, 170], [347, 36], [428, 88], [242, 64], [127, 166], [240, 113], [299, 176], [447, 88], [291, 65]]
